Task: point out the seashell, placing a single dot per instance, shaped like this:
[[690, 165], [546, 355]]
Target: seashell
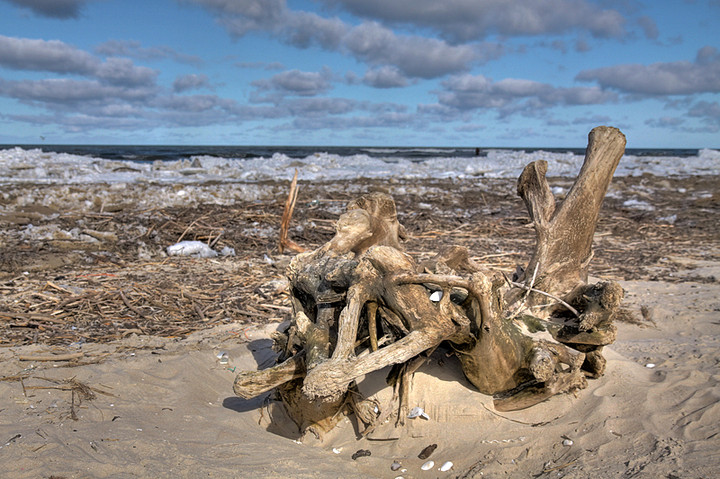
[[417, 412], [428, 465], [337, 450], [395, 466], [223, 357], [446, 467], [650, 365], [436, 296], [567, 442]]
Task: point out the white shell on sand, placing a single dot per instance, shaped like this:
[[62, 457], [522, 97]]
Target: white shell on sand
[[417, 412], [567, 442], [428, 465], [436, 296], [446, 467]]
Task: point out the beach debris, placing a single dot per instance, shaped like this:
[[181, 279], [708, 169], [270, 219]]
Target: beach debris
[[51, 357], [13, 439], [395, 466], [361, 453], [446, 466], [360, 304], [337, 450], [223, 357], [418, 412], [191, 248], [285, 242], [425, 453], [428, 465]]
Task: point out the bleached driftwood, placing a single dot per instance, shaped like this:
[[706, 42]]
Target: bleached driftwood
[[360, 304]]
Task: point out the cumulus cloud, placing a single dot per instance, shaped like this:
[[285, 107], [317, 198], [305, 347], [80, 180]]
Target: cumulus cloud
[[190, 82], [415, 56], [57, 57], [464, 20], [292, 82], [123, 72], [511, 95], [61, 9], [385, 77], [65, 91], [708, 113], [304, 29], [134, 49], [243, 16], [41, 55], [671, 78]]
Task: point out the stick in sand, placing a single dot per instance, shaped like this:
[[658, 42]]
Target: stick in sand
[[286, 243]]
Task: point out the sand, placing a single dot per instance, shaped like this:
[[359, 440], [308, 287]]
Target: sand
[[163, 406]]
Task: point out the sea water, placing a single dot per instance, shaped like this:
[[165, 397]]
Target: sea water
[[65, 164]]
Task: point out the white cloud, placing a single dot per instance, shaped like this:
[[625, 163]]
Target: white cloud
[[464, 20], [293, 82], [672, 78], [415, 56], [57, 57], [41, 55], [385, 77], [369, 42], [134, 49], [190, 82], [511, 95]]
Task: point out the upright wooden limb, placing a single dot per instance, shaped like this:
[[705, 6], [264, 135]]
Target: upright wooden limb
[[564, 233]]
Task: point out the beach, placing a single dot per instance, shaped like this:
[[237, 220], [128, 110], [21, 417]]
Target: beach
[[143, 389]]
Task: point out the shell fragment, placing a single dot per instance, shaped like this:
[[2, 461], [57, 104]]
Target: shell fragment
[[418, 412]]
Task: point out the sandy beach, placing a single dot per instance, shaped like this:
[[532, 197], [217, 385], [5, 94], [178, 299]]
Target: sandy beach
[[141, 391]]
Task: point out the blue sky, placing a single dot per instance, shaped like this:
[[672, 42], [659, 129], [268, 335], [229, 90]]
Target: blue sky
[[359, 72]]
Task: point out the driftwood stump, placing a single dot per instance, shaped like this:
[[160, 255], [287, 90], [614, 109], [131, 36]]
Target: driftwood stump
[[360, 304]]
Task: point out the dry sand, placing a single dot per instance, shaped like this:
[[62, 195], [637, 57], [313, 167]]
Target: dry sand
[[160, 406]]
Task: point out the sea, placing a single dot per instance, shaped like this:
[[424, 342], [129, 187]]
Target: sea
[[79, 164]]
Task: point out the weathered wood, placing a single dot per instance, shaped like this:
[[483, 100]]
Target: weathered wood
[[250, 384], [285, 242], [361, 282], [564, 233]]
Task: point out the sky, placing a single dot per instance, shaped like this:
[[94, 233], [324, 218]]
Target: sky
[[478, 73]]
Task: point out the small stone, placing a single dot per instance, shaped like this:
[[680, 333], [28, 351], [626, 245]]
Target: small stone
[[567, 442], [436, 296], [361, 453], [395, 466], [446, 467], [650, 365], [428, 465], [427, 451]]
